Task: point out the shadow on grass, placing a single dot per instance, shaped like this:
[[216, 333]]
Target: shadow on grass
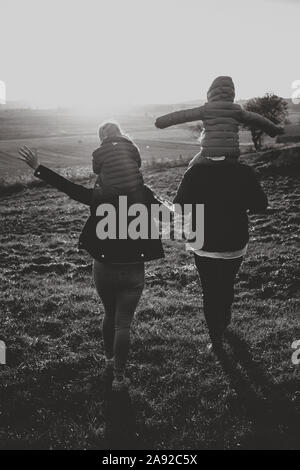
[[276, 420], [120, 420], [57, 409]]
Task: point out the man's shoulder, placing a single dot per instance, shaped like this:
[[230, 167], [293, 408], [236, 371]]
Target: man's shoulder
[[196, 172], [191, 172], [202, 171]]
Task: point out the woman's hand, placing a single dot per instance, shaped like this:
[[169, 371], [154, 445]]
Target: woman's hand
[[29, 156]]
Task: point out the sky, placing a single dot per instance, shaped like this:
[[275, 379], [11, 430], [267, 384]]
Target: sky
[[95, 53]]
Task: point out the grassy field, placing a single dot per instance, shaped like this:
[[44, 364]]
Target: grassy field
[[53, 393], [68, 140]]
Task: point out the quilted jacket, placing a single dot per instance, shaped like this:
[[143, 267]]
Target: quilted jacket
[[221, 119]]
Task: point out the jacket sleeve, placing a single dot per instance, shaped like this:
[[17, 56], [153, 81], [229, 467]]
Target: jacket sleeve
[[260, 122], [179, 117], [96, 167], [96, 162], [137, 155], [74, 191], [183, 194], [255, 198]]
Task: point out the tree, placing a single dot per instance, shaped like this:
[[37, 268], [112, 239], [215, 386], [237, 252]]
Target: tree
[[271, 107]]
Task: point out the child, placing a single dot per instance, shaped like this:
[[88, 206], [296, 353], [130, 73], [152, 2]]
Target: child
[[116, 162], [221, 119]]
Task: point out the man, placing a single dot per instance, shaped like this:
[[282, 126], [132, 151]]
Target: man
[[228, 189]]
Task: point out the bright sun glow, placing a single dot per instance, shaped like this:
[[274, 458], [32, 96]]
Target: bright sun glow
[[94, 53]]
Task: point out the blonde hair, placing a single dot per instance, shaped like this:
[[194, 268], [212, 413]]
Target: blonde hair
[[110, 130]]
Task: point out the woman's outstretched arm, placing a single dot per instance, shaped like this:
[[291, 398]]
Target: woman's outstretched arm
[[74, 191]]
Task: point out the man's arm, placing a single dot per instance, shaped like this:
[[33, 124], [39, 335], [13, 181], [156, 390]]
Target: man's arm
[[183, 194], [257, 121], [179, 117]]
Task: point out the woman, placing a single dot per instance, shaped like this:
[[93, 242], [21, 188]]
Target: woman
[[118, 264]]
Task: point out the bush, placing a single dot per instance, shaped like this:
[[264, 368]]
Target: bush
[[271, 107]]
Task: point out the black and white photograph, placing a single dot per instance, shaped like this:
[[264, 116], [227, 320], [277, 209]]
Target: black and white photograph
[[149, 228]]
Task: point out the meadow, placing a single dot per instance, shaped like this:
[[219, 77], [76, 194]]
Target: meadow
[[53, 393], [67, 140]]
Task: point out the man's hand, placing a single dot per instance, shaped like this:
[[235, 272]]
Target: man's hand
[[29, 156]]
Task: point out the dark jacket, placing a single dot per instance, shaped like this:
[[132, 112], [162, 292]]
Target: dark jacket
[[117, 162], [227, 190], [108, 250], [221, 119]]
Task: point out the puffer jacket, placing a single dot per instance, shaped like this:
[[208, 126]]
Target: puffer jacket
[[221, 119], [117, 162]]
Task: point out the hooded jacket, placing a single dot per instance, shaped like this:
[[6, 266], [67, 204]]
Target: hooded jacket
[[221, 119]]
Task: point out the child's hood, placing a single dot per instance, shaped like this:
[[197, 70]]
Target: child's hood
[[221, 89]]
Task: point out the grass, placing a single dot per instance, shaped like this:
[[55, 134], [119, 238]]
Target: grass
[[52, 391]]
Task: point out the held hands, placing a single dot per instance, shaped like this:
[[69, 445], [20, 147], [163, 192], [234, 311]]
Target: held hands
[[29, 156]]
